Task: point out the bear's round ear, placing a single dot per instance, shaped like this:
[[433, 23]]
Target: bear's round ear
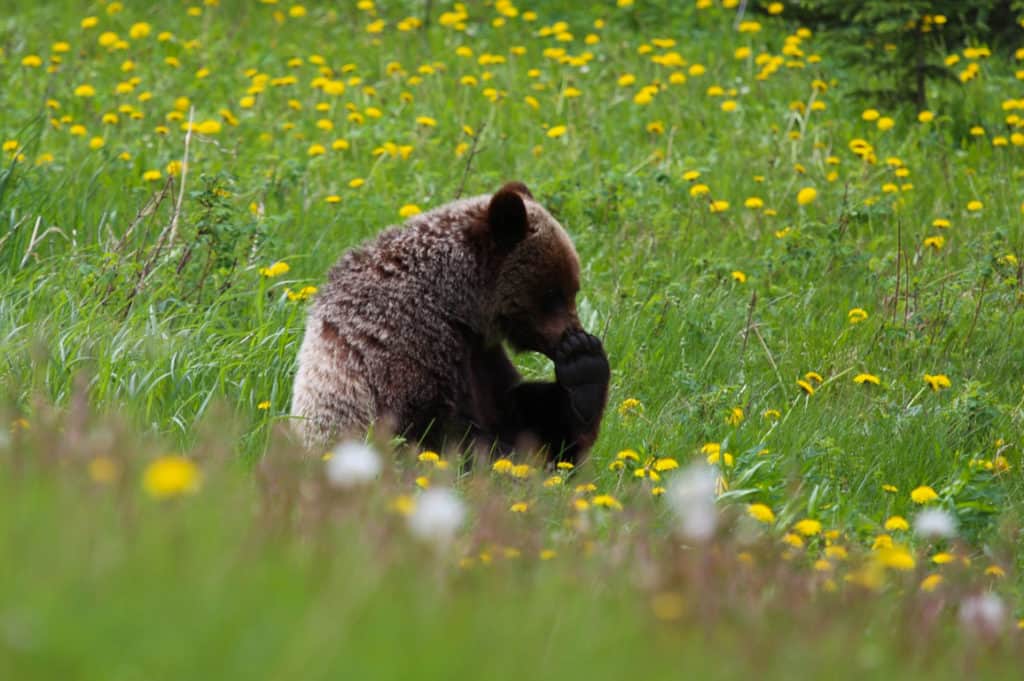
[[506, 215]]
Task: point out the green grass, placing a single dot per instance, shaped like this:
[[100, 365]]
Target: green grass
[[102, 313]]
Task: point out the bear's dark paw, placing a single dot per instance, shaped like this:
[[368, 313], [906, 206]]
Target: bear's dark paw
[[580, 361], [581, 368]]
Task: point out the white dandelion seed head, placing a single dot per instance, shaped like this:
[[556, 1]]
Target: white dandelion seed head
[[983, 614], [935, 523], [439, 513], [352, 464], [691, 495]]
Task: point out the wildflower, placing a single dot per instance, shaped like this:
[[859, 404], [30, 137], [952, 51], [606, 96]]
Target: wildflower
[[805, 386], [665, 464], [896, 557], [806, 196], [438, 515], [870, 115], [925, 116], [862, 379], [276, 269], [521, 471], [423, 482], [935, 523], [630, 405], [923, 494], [316, 150], [627, 455], [264, 405], [171, 476], [931, 582], [754, 202], [691, 495], [502, 466], [882, 541], [983, 614], [547, 554], [761, 513], [699, 190], [85, 90], [937, 382], [836, 552], [975, 206], [936, 242], [519, 507], [607, 501], [896, 523], [151, 175], [943, 558], [995, 571], [794, 540], [426, 121], [735, 416], [408, 210], [332, 198], [808, 527], [556, 131], [941, 223], [428, 457], [554, 481], [885, 123], [739, 276], [352, 464]]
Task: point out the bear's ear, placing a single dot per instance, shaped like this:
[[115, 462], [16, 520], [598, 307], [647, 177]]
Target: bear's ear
[[506, 215]]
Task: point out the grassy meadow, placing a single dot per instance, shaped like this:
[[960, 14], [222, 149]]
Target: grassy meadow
[[812, 303]]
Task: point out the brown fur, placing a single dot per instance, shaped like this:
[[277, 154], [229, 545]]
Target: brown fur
[[409, 326]]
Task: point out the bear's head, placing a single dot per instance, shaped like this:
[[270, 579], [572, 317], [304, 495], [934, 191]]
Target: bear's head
[[534, 298]]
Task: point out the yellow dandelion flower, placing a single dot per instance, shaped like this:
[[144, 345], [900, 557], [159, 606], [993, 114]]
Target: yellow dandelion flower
[[995, 571], [556, 131], [275, 269], [408, 210], [806, 196], [925, 116], [606, 501], [699, 190], [739, 276], [863, 379], [171, 476], [896, 558], [523, 470], [151, 175], [794, 540], [735, 416], [856, 315], [836, 552], [428, 456], [502, 466], [805, 386], [426, 121], [665, 464], [554, 481], [897, 524], [931, 582], [754, 202], [937, 382], [975, 206], [423, 482], [85, 90], [356, 183], [936, 242], [627, 454], [808, 527], [316, 150], [718, 206], [264, 405], [519, 507], [761, 513], [923, 494]]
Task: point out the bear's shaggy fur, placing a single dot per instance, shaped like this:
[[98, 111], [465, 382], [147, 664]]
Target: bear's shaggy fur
[[409, 328]]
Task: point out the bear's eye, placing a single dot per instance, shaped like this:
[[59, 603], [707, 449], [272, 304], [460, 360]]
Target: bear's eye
[[552, 301]]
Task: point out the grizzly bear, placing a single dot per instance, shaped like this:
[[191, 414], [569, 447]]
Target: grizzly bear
[[409, 329]]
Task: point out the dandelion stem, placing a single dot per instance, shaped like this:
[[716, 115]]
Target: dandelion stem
[[184, 176]]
